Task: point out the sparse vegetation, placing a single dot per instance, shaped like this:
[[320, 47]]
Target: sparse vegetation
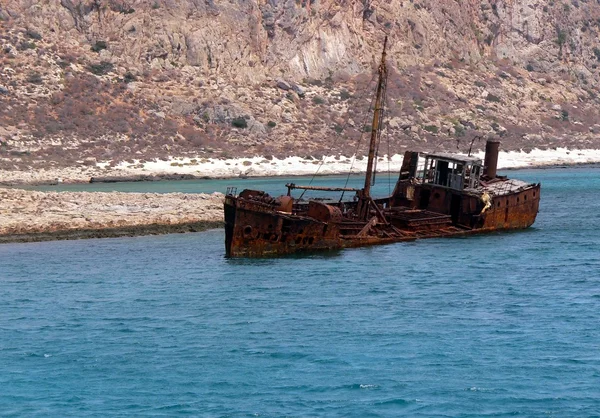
[[23, 46], [101, 68], [99, 46], [318, 100], [459, 130], [129, 77], [33, 35], [418, 105], [493, 98], [561, 39], [171, 110], [239, 122], [345, 94], [35, 78]]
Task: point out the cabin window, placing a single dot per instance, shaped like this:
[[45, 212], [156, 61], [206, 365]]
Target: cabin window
[[525, 197], [533, 194], [498, 204], [517, 199]]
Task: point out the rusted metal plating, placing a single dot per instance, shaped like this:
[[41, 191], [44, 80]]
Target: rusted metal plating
[[436, 195]]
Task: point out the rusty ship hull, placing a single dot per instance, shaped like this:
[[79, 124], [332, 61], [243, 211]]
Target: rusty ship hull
[[254, 228], [436, 195]]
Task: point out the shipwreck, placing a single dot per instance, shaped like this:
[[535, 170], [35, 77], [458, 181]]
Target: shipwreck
[[436, 195]]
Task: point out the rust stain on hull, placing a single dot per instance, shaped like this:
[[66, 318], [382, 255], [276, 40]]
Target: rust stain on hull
[[436, 195], [254, 228]]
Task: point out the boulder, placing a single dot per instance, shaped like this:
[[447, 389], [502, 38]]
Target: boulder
[[298, 90], [283, 85]]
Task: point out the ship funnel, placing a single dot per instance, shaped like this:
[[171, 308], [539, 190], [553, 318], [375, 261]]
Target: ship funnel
[[491, 158]]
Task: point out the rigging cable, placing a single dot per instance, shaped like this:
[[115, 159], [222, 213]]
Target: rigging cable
[[337, 137], [362, 133]]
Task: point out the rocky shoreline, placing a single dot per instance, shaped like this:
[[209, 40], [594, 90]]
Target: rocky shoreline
[[27, 216]]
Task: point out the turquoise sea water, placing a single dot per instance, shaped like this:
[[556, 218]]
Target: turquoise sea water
[[505, 324]]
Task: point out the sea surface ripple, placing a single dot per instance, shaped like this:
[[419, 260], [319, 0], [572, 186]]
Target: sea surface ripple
[[504, 324]]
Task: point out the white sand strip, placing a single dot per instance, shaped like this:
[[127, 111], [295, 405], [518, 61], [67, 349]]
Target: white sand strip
[[292, 166], [262, 167]]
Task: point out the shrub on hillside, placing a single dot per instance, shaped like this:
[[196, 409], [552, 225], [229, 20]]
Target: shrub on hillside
[[101, 68], [239, 123], [99, 46]]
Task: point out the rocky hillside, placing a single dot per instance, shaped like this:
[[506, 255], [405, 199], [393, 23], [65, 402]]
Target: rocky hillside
[[111, 80]]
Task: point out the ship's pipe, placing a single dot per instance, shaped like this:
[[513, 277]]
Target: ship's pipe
[[491, 158]]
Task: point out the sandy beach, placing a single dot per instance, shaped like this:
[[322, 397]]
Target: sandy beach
[[176, 168]]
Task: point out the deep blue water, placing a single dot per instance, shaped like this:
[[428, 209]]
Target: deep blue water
[[505, 324]]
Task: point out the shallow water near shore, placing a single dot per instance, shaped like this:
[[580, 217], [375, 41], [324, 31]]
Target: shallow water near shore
[[490, 325], [276, 185]]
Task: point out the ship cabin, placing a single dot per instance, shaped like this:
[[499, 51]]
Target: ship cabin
[[451, 171], [440, 183]]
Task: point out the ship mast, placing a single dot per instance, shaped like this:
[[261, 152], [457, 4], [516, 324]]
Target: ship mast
[[375, 133]]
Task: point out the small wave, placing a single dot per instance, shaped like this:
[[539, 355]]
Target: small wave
[[477, 389], [395, 401], [358, 386]]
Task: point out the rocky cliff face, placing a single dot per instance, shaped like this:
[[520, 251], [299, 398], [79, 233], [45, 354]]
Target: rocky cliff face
[[87, 80]]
